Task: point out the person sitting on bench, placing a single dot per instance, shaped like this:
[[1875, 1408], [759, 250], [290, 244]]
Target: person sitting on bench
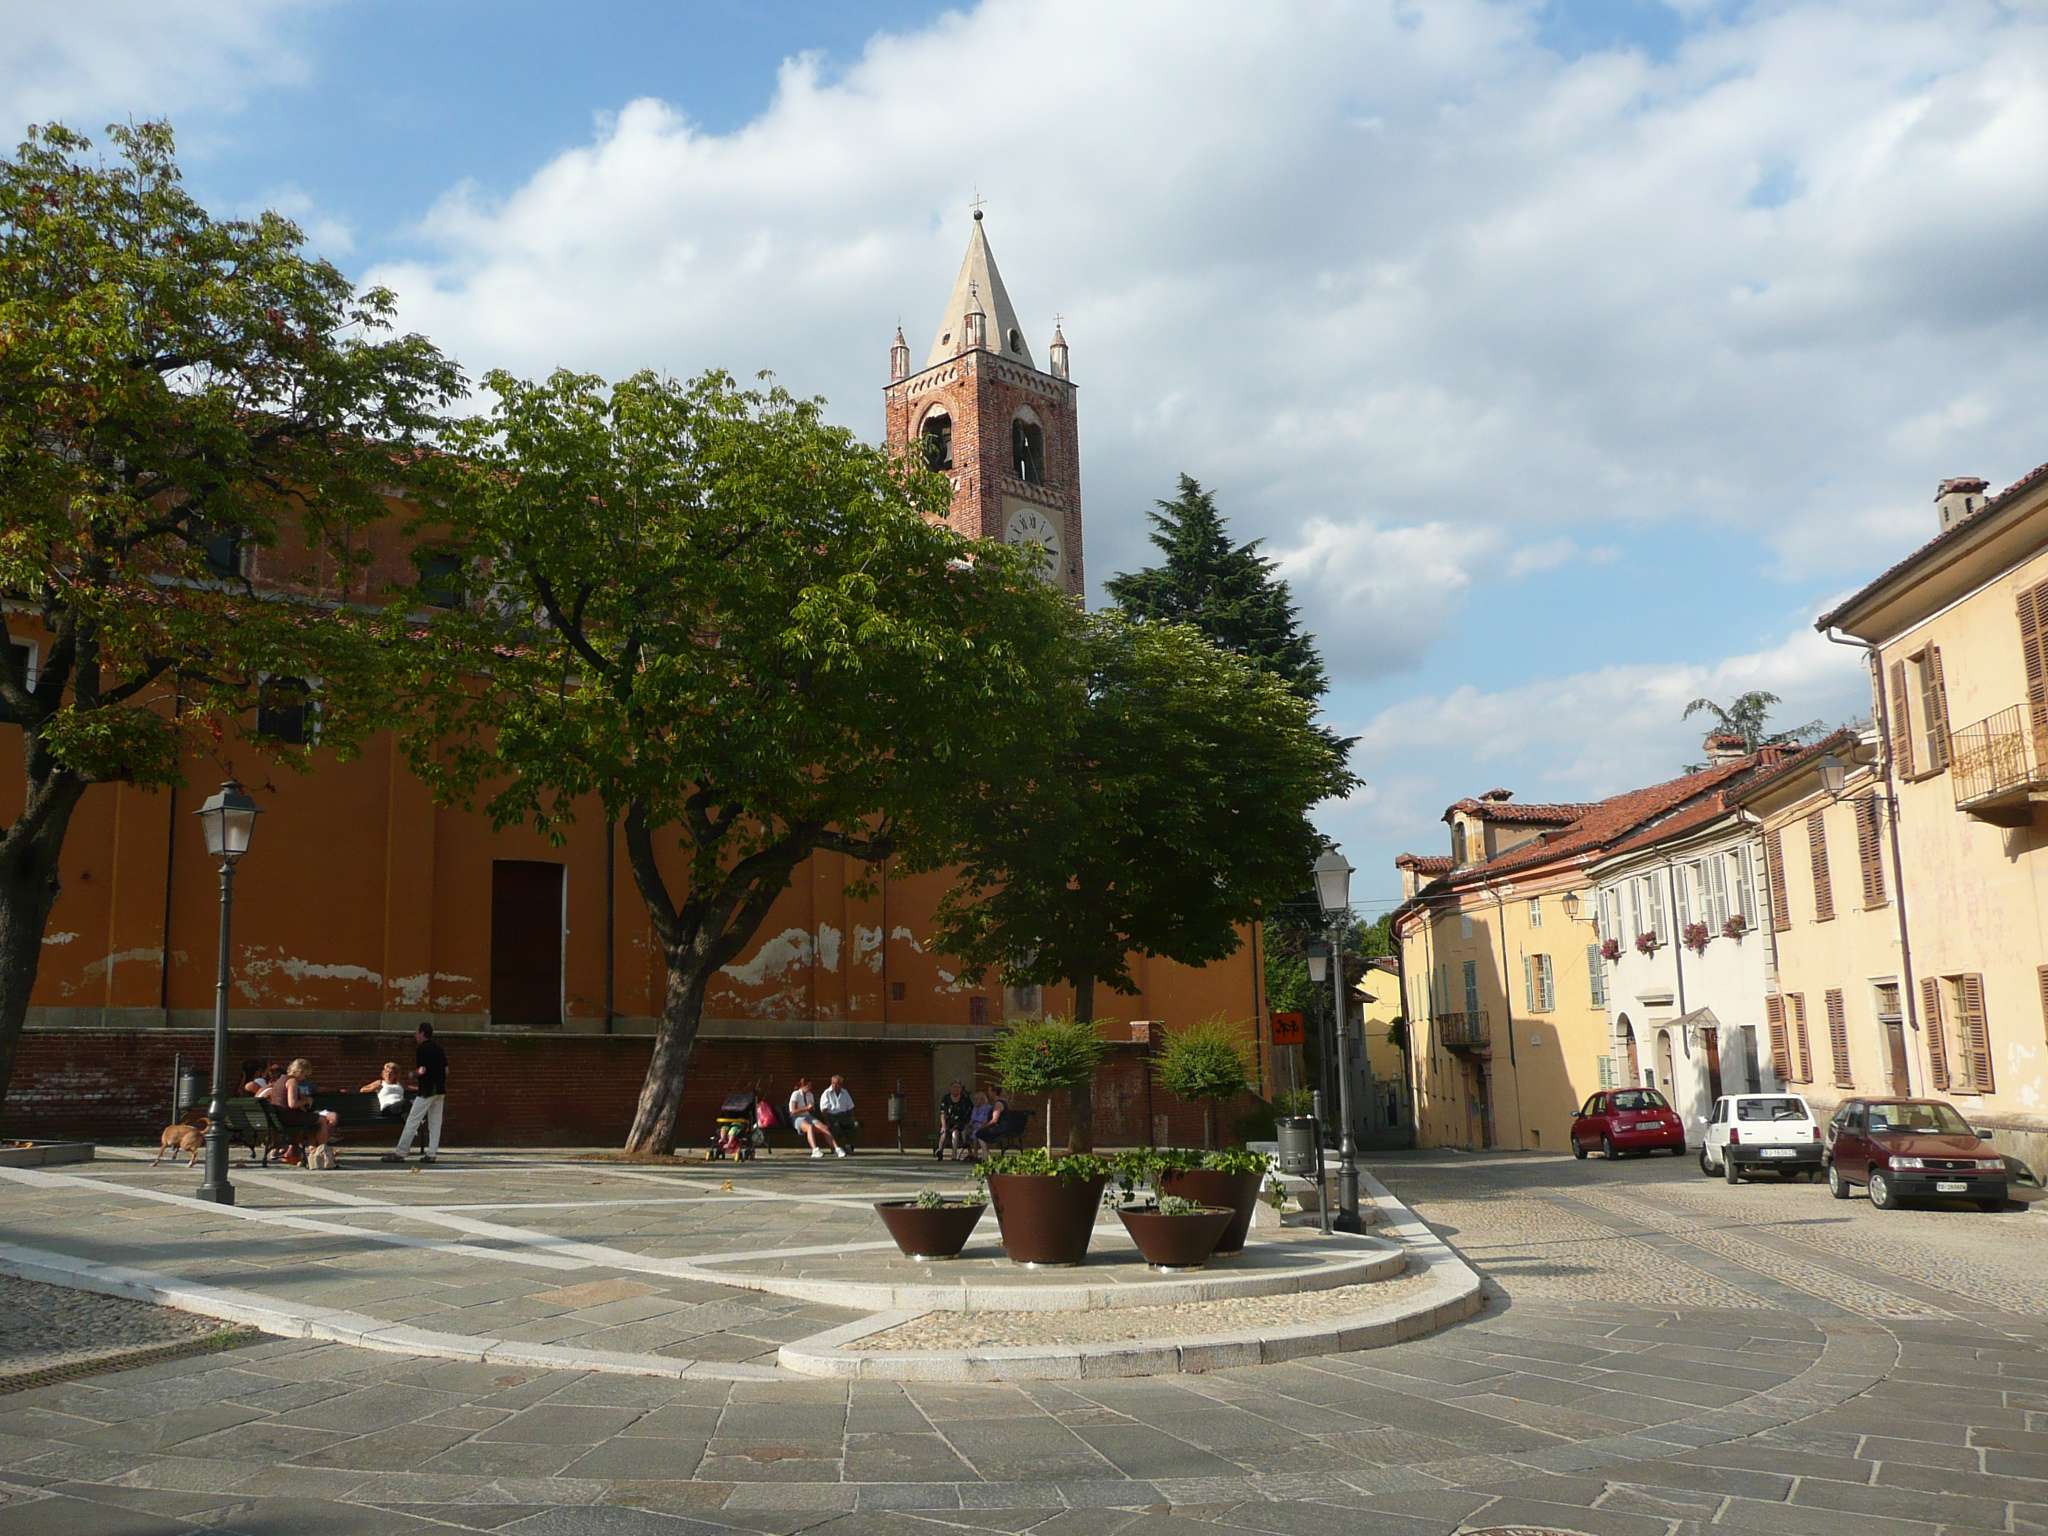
[[994, 1130], [836, 1105], [390, 1091], [803, 1115]]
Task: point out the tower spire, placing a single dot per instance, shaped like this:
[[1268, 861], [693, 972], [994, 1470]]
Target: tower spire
[[979, 287]]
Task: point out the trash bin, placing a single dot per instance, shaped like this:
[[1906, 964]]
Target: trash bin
[[190, 1093], [1298, 1145]]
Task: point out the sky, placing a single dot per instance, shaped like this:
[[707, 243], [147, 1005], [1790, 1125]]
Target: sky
[[1568, 357]]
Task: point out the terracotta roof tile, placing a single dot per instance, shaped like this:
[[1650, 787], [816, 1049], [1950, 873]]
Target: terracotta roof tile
[[1423, 863], [1529, 813]]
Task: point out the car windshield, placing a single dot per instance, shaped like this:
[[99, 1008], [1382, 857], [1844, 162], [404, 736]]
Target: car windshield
[[1771, 1109], [1917, 1120], [1640, 1098]]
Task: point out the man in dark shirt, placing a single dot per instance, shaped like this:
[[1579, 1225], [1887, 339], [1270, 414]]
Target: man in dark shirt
[[430, 1076]]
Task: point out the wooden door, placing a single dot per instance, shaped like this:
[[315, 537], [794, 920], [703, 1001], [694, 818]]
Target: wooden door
[[1710, 1042], [1895, 1049], [1752, 1068], [526, 942]]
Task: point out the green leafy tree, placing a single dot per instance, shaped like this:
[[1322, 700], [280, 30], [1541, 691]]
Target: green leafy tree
[[1163, 806], [1748, 715], [180, 397], [1226, 590], [736, 630], [1205, 1062], [1043, 1056]]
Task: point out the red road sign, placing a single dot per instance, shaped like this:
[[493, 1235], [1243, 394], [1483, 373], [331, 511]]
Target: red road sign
[[1287, 1029]]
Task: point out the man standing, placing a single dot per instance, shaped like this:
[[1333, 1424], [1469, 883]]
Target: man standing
[[430, 1077]]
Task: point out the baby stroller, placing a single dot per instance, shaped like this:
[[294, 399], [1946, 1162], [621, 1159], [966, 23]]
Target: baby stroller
[[733, 1133]]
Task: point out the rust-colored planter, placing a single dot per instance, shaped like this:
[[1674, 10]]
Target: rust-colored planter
[[1045, 1220], [1175, 1242], [929, 1232], [1205, 1186]]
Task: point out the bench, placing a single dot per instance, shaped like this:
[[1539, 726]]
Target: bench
[[1008, 1134], [354, 1111], [253, 1124]]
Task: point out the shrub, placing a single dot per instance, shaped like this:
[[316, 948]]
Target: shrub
[[1205, 1062], [1042, 1056], [1038, 1162]]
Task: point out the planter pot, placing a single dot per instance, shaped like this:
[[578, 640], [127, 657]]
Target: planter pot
[[1175, 1242], [1045, 1220], [1237, 1192], [929, 1233]]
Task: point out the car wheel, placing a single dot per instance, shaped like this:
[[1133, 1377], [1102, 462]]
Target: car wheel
[[1812, 1174], [1837, 1185], [1729, 1169], [1578, 1149], [1679, 1150], [1990, 1205], [1882, 1195], [1706, 1163], [1607, 1148]]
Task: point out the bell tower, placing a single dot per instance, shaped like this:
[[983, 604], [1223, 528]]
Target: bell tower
[[1000, 428]]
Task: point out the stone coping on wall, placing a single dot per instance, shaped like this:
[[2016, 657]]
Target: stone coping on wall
[[313, 1021]]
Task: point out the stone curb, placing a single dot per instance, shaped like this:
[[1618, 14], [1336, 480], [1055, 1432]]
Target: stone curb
[[1453, 1294]]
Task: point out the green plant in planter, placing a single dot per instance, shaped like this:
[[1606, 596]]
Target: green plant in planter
[[929, 1200], [1236, 1160], [1042, 1056], [1294, 1103], [1035, 1162], [1179, 1205], [1206, 1062]]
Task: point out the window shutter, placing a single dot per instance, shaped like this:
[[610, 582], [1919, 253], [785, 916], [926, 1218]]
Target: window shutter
[[1817, 851], [1606, 1071], [1546, 984], [1774, 874], [2041, 980], [1597, 975], [2033, 644], [1657, 910], [1937, 725], [1977, 1033], [1683, 885], [1901, 723], [1870, 852], [1838, 1038], [1931, 1026], [1781, 1050], [1529, 983], [1798, 1004]]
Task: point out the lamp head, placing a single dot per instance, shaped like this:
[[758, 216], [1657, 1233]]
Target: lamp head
[[1317, 953], [1333, 882], [1571, 904], [1834, 773], [229, 817]]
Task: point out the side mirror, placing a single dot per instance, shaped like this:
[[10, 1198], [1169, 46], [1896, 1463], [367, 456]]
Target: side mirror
[[1983, 1133], [1702, 1120]]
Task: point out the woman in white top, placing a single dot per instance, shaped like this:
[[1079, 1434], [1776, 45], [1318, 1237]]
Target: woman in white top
[[390, 1090], [803, 1114]]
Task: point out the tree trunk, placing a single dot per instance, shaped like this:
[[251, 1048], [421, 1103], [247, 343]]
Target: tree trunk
[[1209, 1125], [29, 852], [657, 1120], [1081, 1096]]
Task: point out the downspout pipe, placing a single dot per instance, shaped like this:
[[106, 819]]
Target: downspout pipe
[[1507, 1008], [1891, 819]]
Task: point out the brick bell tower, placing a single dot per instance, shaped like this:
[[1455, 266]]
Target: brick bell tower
[[982, 412]]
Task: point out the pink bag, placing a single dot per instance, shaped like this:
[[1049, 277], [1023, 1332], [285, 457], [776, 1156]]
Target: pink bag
[[764, 1115]]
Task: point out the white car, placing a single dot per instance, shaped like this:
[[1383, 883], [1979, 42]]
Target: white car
[[1750, 1133]]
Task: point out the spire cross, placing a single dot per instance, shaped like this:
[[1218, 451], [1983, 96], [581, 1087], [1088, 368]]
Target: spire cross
[[977, 205], [1058, 319]]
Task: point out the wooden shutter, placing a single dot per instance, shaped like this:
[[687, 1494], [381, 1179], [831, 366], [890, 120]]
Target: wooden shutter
[[1597, 976], [1838, 1038], [1529, 983], [1548, 979], [1931, 1026], [1870, 852], [1976, 1033], [1781, 1050], [1797, 1001], [2033, 643], [1774, 873], [1817, 850], [1901, 722], [1937, 724], [2041, 980]]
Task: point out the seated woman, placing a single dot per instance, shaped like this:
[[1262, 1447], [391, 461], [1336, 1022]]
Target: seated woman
[[956, 1114], [390, 1090], [259, 1077], [991, 1130], [311, 1128], [809, 1124]]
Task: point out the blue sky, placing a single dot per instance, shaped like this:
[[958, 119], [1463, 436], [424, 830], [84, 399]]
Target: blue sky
[[1571, 356]]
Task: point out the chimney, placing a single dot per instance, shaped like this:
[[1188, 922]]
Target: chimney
[[1498, 795], [1959, 499], [1725, 747]]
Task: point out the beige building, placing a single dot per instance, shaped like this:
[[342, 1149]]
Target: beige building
[[1957, 638]]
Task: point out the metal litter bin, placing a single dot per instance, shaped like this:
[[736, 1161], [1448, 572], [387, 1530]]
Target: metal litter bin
[[1298, 1146]]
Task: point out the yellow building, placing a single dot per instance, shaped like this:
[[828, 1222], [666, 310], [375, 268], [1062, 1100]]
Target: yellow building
[[1506, 987], [1377, 997], [1957, 639]]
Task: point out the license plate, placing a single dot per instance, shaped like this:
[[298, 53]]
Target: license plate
[[1778, 1152], [1951, 1187]]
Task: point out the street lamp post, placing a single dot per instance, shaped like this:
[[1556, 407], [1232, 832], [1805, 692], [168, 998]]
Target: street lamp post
[[229, 817], [1333, 891]]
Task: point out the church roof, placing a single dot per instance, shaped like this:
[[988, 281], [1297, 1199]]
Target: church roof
[[980, 286]]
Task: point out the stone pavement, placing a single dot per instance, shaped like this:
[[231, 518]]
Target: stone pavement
[[1661, 1355]]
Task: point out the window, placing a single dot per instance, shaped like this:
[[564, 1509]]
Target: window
[[1457, 842], [1535, 911], [21, 661], [1817, 853], [1596, 975], [284, 710], [1471, 989], [937, 436], [1713, 878], [1538, 983], [441, 579], [1838, 1038], [1016, 341], [1931, 744], [1869, 852], [222, 550], [1027, 448], [1464, 925], [1968, 1047]]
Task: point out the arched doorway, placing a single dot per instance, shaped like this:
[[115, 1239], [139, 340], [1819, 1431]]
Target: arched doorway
[[1631, 1062], [1666, 1076]]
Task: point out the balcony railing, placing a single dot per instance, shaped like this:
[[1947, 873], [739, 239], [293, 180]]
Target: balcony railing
[[1999, 767], [1462, 1031]]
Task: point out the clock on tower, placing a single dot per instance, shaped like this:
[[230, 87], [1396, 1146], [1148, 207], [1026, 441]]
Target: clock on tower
[[982, 412]]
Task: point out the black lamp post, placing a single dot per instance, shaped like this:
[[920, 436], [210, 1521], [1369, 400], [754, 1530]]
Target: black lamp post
[[229, 817], [1333, 892]]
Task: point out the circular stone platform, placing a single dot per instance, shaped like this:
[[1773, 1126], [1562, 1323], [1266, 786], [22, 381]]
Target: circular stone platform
[[1275, 1262]]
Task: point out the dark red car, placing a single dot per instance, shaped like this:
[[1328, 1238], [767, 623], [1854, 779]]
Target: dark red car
[[1903, 1148], [1628, 1120]]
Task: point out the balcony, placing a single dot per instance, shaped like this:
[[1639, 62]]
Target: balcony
[[1462, 1031], [1997, 768]]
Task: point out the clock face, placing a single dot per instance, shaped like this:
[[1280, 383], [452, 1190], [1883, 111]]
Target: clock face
[[1032, 530]]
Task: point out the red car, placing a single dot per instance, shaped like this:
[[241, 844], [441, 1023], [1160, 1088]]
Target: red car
[[1902, 1148], [1628, 1120]]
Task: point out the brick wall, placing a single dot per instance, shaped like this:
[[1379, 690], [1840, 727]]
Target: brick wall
[[535, 1090]]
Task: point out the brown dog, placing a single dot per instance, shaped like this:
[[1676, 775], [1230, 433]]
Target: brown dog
[[183, 1137]]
